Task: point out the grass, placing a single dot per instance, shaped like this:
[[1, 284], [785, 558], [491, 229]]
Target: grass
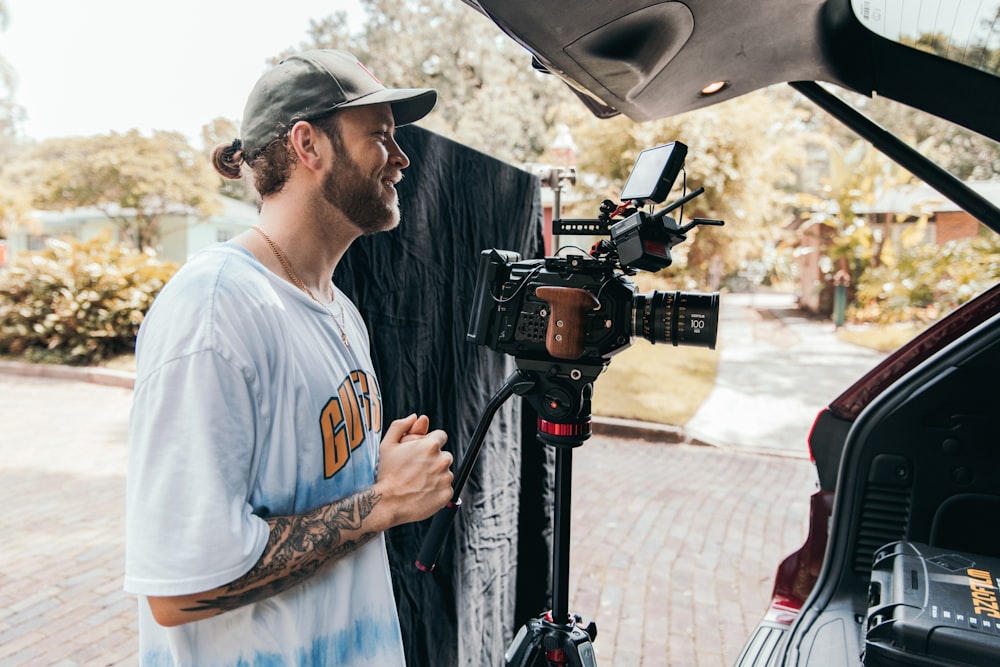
[[124, 362], [883, 338], [656, 383]]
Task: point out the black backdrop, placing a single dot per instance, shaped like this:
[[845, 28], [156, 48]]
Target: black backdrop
[[414, 286]]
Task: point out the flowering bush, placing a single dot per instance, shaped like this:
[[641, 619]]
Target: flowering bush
[[77, 302]]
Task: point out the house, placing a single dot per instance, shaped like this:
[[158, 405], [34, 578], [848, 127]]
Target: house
[[946, 221], [890, 213], [183, 232]]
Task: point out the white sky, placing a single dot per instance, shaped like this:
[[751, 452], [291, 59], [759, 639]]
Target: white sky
[[88, 67]]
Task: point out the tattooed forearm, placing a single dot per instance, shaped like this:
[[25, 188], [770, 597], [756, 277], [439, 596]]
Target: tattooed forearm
[[297, 547]]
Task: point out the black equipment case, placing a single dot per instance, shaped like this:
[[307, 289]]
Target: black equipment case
[[930, 606]]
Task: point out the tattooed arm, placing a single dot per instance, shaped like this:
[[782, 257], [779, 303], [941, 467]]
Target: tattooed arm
[[414, 481]]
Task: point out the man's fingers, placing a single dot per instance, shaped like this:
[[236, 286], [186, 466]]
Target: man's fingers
[[399, 428], [420, 427]]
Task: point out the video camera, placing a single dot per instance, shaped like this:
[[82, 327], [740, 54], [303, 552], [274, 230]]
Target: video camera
[[583, 308], [562, 318]]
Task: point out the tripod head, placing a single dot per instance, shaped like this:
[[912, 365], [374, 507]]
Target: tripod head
[[560, 394]]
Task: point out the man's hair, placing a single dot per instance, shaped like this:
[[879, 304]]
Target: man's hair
[[273, 165]]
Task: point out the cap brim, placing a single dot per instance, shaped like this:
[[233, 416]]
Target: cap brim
[[408, 104]]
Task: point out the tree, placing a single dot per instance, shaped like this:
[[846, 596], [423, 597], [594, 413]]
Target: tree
[[10, 115], [856, 174], [489, 95], [965, 154], [133, 179], [9, 111]]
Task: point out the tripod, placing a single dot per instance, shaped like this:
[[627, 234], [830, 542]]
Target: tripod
[[560, 393]]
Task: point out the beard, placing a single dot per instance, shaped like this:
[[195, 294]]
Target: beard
[[364, 199]]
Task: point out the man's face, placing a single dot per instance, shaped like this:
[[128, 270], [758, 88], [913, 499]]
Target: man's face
[[362, 181]]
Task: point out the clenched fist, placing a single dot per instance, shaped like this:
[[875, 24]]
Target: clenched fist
[[414, 472]]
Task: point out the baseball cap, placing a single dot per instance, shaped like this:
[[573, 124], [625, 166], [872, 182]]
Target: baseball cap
[[314, 83]]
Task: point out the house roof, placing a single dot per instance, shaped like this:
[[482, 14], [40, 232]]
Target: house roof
[[919, 198], [234, 211]]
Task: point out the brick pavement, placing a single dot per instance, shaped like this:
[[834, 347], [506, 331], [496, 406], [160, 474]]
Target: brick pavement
[[62, 476], [674, 547]]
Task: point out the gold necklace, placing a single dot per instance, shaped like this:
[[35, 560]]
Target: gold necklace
[[286, 265]]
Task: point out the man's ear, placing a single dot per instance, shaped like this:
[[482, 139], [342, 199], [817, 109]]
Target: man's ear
[[304, 139]]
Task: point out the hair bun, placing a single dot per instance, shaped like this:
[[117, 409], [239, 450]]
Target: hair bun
[[228, 159]]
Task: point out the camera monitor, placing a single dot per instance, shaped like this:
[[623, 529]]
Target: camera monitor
[[654, 173]]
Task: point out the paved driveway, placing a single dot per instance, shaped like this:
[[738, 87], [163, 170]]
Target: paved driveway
[[777, 369], [674, 546]]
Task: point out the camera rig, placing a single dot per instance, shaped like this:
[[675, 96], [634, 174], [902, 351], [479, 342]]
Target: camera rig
[[583, 308], [562, 318]]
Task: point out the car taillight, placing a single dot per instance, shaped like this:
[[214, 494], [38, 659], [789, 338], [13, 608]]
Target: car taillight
[[809, 439], [783, 610]]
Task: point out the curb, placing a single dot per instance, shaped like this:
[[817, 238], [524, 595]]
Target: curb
[[638, 430], [660, 434], [104, 376], [607, 426]]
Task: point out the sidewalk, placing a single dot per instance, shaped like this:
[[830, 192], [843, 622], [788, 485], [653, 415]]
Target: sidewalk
[[777, 369], [62, 481]]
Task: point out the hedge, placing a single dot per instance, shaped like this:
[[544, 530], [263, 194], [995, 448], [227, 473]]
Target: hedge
[[77, 302]]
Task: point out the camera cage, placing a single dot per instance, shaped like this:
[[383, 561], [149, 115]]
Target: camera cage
[[580, 307]]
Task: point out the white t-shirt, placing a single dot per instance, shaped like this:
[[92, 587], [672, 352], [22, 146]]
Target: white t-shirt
[[248, 405]]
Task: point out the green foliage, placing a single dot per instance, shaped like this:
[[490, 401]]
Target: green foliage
[[77, 303], [927, 281], [965, 154]]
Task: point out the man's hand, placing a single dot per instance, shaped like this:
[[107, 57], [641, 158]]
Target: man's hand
[[414, 472]]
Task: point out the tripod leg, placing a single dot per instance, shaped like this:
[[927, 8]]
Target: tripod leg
[[560, 548], [557, 640]]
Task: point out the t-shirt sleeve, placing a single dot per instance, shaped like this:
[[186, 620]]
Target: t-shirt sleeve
[[192, 460]]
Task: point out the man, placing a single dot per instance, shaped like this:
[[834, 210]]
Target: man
[[260, 481]]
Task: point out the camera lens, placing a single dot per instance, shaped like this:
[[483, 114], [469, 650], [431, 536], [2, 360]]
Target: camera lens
[[678, 318]]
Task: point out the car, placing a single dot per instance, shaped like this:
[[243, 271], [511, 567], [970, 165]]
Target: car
[[901, 564]]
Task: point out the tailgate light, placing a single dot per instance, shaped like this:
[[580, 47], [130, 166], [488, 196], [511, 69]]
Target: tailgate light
[[783, 610]]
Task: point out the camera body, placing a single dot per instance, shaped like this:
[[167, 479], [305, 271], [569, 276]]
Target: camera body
[[515, 301], [579, 308]]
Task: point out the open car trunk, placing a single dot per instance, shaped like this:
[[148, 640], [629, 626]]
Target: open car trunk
[[916, 472]]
